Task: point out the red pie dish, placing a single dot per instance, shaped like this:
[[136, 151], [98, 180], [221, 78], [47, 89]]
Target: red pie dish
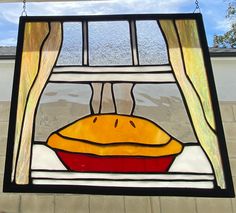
[[114, 143]]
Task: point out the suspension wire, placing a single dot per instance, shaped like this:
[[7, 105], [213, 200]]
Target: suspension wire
[[197, 8], [24, 12]]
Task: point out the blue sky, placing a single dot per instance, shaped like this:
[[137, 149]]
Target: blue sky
[[213, 13]]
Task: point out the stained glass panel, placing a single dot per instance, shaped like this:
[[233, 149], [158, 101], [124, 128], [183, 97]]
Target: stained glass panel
[[116, 105]]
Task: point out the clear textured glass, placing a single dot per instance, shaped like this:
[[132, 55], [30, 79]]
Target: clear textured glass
[[109, 43], [151, 44], [163, 104], [71, 51], [59, 105]]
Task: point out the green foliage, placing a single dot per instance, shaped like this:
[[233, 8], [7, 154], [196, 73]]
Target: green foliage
[[228, 40], [231, 11]]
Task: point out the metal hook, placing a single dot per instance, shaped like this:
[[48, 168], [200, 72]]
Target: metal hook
[[197, 8], [24, 13]]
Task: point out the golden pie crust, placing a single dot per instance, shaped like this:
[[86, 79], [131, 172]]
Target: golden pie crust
[[115, 135]]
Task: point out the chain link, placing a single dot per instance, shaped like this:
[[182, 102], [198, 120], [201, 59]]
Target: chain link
[[197, 8], [24, 13]]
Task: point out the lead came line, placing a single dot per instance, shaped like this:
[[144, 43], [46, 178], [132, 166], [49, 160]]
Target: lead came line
[[134, 42], [85, 42]]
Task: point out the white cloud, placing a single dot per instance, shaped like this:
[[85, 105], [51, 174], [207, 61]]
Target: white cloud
[[224, 25], [11, 12], [213, 10], [153, 6], [8, 42]]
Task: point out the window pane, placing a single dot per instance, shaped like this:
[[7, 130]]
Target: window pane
[[71, 52], [59, 105], [163, 104], [109, 43], [151, 44]]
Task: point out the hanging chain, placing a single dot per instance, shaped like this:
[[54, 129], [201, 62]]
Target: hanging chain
[[24, 13], [197, 8]]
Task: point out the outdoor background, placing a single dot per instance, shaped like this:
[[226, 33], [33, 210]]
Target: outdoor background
[[169, 112], [213, 11], [225, 77]]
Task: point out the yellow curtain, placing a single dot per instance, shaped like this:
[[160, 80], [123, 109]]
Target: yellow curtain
[[187, 60], [42, 42]]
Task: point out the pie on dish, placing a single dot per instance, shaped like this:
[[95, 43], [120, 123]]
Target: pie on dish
[[114, 143]]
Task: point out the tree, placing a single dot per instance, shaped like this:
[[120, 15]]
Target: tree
[[229, 38]]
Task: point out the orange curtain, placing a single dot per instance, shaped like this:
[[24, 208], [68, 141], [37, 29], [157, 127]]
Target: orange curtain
[[187, 60], [42, 42]]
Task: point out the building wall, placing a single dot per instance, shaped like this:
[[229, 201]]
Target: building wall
[[225, 78]]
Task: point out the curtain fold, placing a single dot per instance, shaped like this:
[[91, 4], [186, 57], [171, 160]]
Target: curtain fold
[[185, 55], [42, 43]]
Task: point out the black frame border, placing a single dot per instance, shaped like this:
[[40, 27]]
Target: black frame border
[[8, 186]]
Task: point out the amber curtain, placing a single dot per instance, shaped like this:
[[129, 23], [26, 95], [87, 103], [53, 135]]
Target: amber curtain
[[186, 58], [42, 42]]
